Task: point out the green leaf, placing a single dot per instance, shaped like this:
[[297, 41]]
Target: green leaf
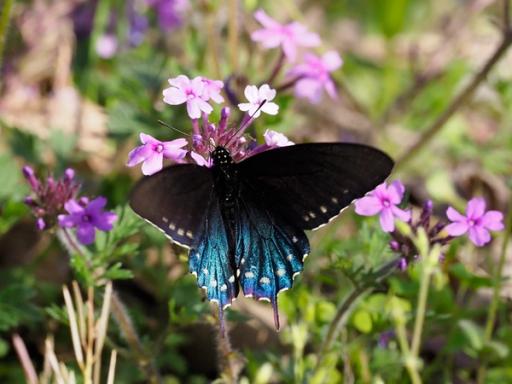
[[473, 333], [362, 321]]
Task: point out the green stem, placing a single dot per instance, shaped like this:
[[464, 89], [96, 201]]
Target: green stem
[[346, 305], [493, 307], [4, 25], [463, 97]]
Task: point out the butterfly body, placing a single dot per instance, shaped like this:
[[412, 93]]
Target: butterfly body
[[244, 222]]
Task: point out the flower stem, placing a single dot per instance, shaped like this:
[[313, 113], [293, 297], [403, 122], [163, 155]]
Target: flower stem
[[457, 103], [277, 69], [346, 305], [4, 24], [493, 307]]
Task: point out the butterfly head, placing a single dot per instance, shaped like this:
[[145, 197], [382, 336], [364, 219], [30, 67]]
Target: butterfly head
[[221, 157]]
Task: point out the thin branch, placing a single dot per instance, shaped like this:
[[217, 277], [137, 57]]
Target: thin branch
[[463, 97], [26, 363], [346, 305]]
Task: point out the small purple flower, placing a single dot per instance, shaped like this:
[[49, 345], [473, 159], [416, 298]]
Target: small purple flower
[[477, 222], [256, 96], [86, 219], [288, 36], [275, 139], [49, 196], [383, 200], [192, 92], [152, 153], [385, 338], [314, 75]]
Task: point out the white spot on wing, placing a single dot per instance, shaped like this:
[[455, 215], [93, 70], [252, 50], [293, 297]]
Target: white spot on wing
[[289, 257], [205, 271], [189, 234], [231, 279], [312, 214], [172, 226], [294, 239], [181, 231], [334, 200], [224, 287], [242, 261], [249, 275], [323, 209], [265, 280], [281, 272], [165, 219], [306, 218], [213, 283]]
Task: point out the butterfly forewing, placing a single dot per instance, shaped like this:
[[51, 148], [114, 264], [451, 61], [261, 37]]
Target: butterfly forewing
[[175, 200], [309, 184]]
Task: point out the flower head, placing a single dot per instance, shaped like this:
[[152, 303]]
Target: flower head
[[212, 90], [193, 92], [314, 75], [86, 218], [152, 153], [106, 46], [477, 222], [260, 100], [288, 36], [49, 196], [275, 139], [383, 201]]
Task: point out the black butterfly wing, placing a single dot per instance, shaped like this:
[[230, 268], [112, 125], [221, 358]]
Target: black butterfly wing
[[309, 184], [175, 200], [269, 251]]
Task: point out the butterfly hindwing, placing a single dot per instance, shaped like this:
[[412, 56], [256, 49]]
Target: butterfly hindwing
[[269, 251], [175, 200], [309, 184], [210, 259]]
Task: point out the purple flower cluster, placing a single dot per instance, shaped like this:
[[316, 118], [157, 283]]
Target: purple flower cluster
[[384, 201], [310, 74], [51, 199]]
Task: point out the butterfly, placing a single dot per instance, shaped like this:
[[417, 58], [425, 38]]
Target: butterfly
[[244, 222]]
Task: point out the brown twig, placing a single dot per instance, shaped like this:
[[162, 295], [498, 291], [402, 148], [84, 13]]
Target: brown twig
[[457, 103]]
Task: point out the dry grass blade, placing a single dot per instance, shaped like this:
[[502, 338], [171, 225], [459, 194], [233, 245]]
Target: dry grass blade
[[112, 367], [54, 363], [26, 363], [73, 325], [79, 301], [101, 331]]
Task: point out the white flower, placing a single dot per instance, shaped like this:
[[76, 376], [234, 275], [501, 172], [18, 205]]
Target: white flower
[[275, 139], [256, 97]]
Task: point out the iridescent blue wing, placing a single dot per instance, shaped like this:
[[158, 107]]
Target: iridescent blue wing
[[309, 184], [269, 251], [210, 258], [175, 200]]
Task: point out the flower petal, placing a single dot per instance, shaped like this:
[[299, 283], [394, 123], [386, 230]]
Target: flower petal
[[200, 160], [493, 220], [96, 206], [66, 221], [265, 19], [454, 215], [148, 139], [72, 206], [152, 164], [104, 221], [270, 108], [479, 235], [396, 192], [403, 215], [174, 96], [332, 60], [368, 206], [457, 228], [85, 233], [475, 208], [251, 94], [139, 154], [387, 221], [266, 93], [193, 109]]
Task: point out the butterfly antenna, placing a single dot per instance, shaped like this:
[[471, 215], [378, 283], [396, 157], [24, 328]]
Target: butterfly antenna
[[173, 128], [246, 122]]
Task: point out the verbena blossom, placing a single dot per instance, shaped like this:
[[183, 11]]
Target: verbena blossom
[[152, 153], [213, 89], [275, 139], [49, 196], [384, 201], [476, 222], [314, 76], [289, 36], [259, 100], [86, 217], [195, 93]]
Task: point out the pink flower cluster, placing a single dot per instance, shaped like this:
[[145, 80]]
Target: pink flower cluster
[[311, 76], [384, 201]]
